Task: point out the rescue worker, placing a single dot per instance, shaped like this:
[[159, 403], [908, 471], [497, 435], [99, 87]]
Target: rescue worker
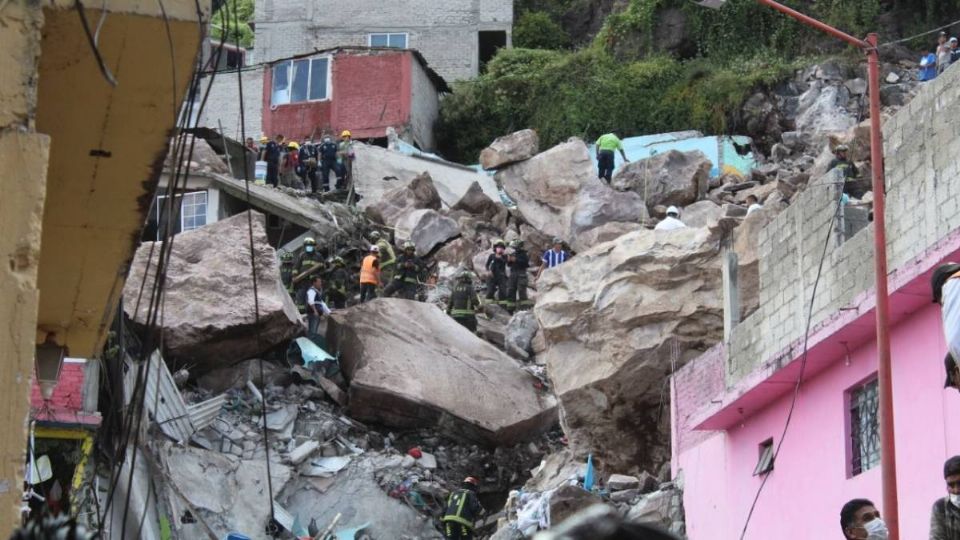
[[464, 302], [337, 284], [463, 509], [672, 221], [497, 266], [345, 159], [286, 271], [518, 261], [370, 275], [271, 153], [316, 308], [406, 277], [606, 146], [311, 260], [328, 161], [842, 161], [388, 259], [290, 166], [308, 164]]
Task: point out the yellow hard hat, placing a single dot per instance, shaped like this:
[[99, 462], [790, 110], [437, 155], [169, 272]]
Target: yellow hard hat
[[346, 133], [294, 145], [264, 139]]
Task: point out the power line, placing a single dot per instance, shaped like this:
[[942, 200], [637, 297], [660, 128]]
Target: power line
[[803, 364], [927, 33]]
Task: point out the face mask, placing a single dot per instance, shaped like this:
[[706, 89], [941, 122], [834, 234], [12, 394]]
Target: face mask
[[955, 500], [309, 249], [876, 530]]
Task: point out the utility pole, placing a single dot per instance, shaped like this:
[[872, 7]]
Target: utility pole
[[888, 455]]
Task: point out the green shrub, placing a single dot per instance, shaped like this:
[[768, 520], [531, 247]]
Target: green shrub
[[537, 30]]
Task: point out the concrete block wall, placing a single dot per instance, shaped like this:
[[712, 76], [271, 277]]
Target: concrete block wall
[[445, 33], [224, 103], [922, 147], [424, 107]]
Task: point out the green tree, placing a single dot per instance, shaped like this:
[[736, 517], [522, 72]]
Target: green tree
[[536, 30], [227, 17]]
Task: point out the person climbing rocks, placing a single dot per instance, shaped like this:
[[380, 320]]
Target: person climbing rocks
[[672, 221], [271, 153], [406, 277], [606, 146], [518, 262], [345, 158], [309, 264], [316, 307], [328, 162], [463, 509], [497, 267], [337, 284], [388, 259], [464, 301], [553, 257], [286, 271], [370, 275]]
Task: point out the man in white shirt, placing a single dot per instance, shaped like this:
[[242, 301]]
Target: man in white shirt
[[946, 292], [753, 204], [672, 221], [316, 307]]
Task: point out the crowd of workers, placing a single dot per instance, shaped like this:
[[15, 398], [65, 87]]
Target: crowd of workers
[[319, 283], [308, 163]]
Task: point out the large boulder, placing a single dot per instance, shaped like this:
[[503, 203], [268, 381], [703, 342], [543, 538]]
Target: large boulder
[[427, 229], [617, 320], [822, 112], [702, 214], [671, 178], [510, 148], [410, 365], [518, 339], [557, 193], [209, 317], [396, 204], [477, 203]]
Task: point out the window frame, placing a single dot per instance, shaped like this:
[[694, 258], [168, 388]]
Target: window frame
[[856, 464], [312, 60], [406, 39], [184, 205], [765, 458]]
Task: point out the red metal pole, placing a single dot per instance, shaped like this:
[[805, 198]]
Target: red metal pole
[[888, 454], [810, 21]]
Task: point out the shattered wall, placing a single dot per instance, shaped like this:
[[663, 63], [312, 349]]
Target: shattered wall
[[923, 205]]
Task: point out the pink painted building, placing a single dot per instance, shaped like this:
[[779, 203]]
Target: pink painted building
[[729, 406]]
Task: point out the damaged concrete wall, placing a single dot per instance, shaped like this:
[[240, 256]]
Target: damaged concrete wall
[[424, 106], [223, 105], [23, 182], [923, 206]]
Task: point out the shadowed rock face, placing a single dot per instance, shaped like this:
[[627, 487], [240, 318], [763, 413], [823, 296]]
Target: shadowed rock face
[[671, 178], [410, 365], [615, 319], [209, 305]]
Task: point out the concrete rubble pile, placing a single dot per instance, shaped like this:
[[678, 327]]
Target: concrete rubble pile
[[206, 321]]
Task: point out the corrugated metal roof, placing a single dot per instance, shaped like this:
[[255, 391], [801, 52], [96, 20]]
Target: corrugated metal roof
[[204, 413], [168, 409]]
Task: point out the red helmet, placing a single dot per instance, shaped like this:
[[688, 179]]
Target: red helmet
[[471, 480]]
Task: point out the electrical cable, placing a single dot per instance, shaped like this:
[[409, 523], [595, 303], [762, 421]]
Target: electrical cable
[[104, 70], [927, 33], [271, 527], [803, 364]]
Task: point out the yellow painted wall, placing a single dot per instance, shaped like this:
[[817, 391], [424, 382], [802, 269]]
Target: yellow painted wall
[[23, 172], [97, 205]]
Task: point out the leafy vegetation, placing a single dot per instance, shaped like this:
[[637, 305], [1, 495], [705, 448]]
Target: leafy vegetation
[[537, 30], [240, 11]]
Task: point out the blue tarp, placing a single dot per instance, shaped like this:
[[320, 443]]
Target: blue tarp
[[311, 352], [588, 475]]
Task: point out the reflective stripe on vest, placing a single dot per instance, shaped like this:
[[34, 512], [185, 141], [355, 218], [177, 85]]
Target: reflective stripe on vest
[[462, 312], [456, 518], [368, 272]]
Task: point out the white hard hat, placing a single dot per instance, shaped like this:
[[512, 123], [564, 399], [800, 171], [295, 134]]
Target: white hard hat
[[673, 211], [374, 249]]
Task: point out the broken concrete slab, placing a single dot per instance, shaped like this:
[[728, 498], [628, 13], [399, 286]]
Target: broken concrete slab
[[302, 452], [410, 365], [511, 148], [206, 320], [378, 170], [567, 500], [620, 482]]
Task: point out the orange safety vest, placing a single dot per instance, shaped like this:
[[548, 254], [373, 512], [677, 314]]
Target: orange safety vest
[[368, 272]]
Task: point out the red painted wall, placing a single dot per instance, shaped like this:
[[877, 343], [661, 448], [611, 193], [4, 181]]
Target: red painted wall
[[369, 93]]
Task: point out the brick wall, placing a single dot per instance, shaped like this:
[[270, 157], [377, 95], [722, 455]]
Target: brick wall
[[694, 387], [446, 33], [922, 146], [224, 104]]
